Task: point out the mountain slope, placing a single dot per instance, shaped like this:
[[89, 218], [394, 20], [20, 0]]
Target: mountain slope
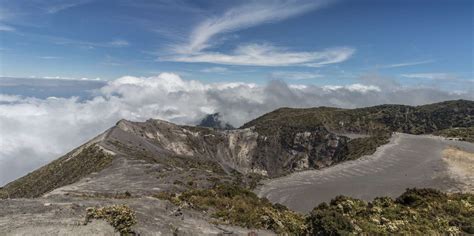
[[372, 120], [66, 170]]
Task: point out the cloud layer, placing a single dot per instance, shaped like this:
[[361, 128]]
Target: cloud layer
[[35, 131]]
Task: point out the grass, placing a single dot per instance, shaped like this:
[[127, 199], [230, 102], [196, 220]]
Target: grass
[[63, 171], [121, 217]]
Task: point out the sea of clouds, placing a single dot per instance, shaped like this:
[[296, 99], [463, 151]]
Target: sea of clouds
[[36, 130]]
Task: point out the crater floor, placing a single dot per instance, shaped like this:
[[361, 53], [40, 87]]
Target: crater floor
[[407, 161]]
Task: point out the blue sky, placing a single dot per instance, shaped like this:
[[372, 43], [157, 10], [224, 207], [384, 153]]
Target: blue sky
[[304, 42]]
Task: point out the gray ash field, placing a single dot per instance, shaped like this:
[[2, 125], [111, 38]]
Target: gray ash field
[[407, 161]]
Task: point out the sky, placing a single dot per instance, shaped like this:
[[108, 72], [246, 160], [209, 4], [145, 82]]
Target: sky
[[71, 69], [317, 42]]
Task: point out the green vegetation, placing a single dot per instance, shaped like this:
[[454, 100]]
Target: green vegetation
[[417, 211], [234, 205], [121, 217], [364, 146], [63, 171], [465, 134], [372, 120]]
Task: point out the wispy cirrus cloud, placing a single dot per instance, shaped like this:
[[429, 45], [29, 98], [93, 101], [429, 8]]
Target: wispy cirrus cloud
[[63, 5], [403, 64], [430, 76], [216, 69], [26, 12], [49, 57], [4, 27], [117, 43], [294, 75], [242, 17], [202, 38], [267, 55]]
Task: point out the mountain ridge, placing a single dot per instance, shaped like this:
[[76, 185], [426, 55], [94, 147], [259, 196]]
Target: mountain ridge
[[275, 144]]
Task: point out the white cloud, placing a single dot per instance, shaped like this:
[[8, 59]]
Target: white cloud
[[9, 98], [361, 88], [246, 16], [215, 69], [56, 7], [431, 76], [35, 131], [119, 43], [267, 55], [49, 57], [292, 75], [65, 78], [403, 64], [4, 27]]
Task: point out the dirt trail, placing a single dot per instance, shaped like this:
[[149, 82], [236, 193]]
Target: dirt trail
[[407, 161]]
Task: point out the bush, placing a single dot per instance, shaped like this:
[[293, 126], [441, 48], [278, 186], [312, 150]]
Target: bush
[[232, 204], [121, 217], [416, 211], [324, 221], [416, 197]]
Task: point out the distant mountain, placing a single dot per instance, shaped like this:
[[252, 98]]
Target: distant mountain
[[214, 121], [277, 143]]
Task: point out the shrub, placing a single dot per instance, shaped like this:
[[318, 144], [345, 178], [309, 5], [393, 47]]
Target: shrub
[[416, 211], [325, 221], [232, 204], [416, 197], [121, 217]]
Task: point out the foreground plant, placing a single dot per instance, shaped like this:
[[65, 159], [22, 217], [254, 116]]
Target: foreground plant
[[417, 211], [121, 217], [234, 205]]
